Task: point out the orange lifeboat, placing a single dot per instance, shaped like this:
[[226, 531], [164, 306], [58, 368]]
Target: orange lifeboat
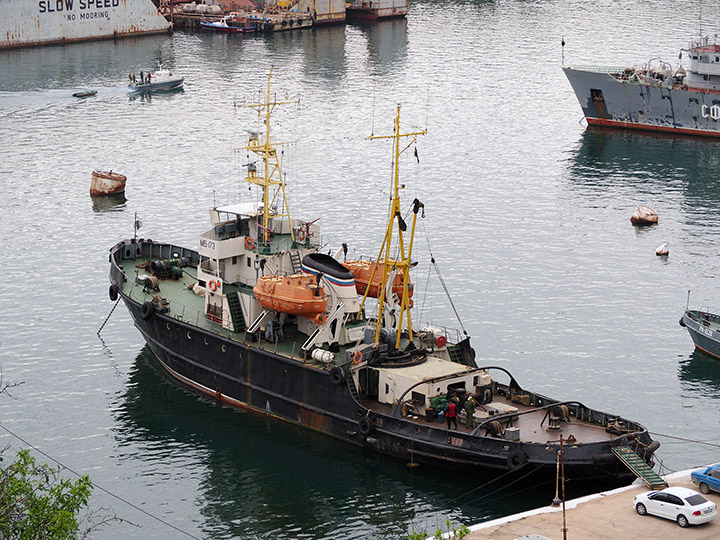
[[298, 294], [362, 270]]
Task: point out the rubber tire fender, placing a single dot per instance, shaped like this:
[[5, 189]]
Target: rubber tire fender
[[147, 310], [516, 460], [113, 292], [337, 376], [366, 426], [682, 323]]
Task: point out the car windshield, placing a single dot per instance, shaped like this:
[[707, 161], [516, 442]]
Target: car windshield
[[696, 499]]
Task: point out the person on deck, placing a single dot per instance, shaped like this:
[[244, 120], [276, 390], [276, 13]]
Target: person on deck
[[469, 407], [451, 413]]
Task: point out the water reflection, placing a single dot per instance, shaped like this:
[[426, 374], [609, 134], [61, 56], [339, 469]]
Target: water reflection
[[264, 478], [108, 203], [386, 43], [606, 159], [702, 372]]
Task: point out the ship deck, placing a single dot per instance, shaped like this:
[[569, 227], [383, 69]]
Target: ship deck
[[527, 421], [185, 305]]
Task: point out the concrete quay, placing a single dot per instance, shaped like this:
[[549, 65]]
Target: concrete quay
[[602, 516]]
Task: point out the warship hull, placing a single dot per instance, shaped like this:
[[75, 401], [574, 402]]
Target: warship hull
[[704, 329], [63, 21], [608, 101], [251, 374]]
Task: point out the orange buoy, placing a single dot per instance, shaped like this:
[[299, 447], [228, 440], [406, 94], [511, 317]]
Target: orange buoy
[[298, 294], [362, 270]]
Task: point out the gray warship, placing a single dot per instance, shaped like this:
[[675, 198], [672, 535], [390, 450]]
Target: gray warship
[[655, 96]]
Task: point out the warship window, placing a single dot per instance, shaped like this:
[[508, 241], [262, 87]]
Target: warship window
[[248, 261], [234, 260], [475, 380], [387, 389]]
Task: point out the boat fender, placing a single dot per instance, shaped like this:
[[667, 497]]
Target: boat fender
[[147, 310], [653, 446], [337, 375], [366, 426], [249, 243], [357, 357], [113, 292], [516, 460], [682, 322]]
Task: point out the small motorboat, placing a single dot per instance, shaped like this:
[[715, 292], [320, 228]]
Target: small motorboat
[[160, 79], [84, 93], [230, 24]]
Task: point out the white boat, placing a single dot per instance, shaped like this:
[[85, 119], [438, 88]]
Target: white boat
[[160, 79]]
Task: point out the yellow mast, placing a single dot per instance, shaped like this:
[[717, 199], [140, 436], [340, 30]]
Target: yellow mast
[[272, 175], [403, 264]]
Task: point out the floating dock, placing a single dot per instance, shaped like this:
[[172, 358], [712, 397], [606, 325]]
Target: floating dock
[[602, 516]]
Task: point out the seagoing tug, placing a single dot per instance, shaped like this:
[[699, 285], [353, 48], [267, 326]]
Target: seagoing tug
[[256, 317]]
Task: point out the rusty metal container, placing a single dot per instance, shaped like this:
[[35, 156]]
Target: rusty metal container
[[107, 183]]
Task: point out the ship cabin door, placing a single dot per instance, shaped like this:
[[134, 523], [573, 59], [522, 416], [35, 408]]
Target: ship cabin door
[[369, 380]]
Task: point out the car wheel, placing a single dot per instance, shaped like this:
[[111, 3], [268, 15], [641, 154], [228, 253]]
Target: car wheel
[[641, 509], [704, 488], [682, 521]]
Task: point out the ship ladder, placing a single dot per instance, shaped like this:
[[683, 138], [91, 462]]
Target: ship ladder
[[236, 312], [353, 388], [455, 354], [295, 262], [637, 465]]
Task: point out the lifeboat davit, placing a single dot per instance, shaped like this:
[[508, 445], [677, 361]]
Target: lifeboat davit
[[362, 270], [298, 294]]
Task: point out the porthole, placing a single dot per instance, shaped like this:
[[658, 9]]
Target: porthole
[[189, 336], [206, 341], [167, 325], [224, 348]]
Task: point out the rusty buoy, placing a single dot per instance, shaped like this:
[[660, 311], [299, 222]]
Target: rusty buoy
[[644, 215], [107, 183]]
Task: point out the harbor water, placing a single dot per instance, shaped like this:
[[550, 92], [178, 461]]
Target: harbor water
[[526, 212]]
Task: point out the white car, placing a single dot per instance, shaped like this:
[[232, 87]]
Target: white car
[[680, 504]]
